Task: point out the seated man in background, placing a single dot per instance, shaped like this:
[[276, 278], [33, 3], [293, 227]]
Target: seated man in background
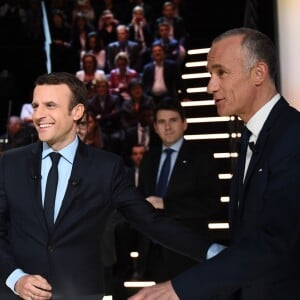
[[188, 193]]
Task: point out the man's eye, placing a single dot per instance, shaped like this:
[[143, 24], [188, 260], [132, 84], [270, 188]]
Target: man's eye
[[51, 104], [221, 72]]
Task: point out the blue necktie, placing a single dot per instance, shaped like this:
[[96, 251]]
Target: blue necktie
[[50, 191], [246, 133], [162, 183]]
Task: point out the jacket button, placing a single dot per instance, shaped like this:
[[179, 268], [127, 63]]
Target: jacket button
[[50, 248]]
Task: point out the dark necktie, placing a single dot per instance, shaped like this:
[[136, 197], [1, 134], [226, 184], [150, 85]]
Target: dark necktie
[[50, 191], [246, 133], [162, 183]]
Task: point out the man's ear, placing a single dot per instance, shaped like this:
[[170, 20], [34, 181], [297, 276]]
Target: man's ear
[[260, 72], [78, 111]]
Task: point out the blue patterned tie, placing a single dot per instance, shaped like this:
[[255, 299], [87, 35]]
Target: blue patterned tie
[[162, 183]]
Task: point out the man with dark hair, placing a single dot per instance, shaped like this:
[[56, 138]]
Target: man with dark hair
[[190, 194], [55, 198]]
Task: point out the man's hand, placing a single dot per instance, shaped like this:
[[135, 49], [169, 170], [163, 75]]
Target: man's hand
[[163, 291], [33, 287], [157, 202]]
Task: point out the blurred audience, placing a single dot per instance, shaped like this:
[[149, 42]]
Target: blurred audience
[[94, 46], [106, 108], [107, 27], [125, 45], [120, 76], [131, 108], [62, 55], [162, 78], [170, 45], [80, 30], [89, 73]]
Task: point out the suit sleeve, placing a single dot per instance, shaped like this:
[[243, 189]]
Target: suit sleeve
[[155, 225], [267, 248]]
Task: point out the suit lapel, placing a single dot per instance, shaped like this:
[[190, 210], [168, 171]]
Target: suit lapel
[[263, 137], [260, 146], [34, 181], [179, 166]]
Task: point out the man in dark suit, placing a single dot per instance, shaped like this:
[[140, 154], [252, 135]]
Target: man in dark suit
[[192, 193], [262, 261], [125, 45], [161, 77], [50, 241]]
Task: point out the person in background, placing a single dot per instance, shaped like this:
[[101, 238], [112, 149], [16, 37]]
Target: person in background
[[177, 27], [139, 31], [106, 108], [190, 194], [123, 44], [53, 250], [126, 237], [161, 77], [62, 55], [130, 109], [107, 27], [170, 45], [90, 73], [94, 46], [26, 114], [120, 76], [89, 130], [262, 261], [80, 30]]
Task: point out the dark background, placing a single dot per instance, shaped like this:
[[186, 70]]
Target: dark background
[[22, 58]]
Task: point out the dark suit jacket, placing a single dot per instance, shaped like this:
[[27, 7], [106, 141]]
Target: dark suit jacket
[[171, 77], [263, 261], [70, 258], [192, 193], [110, 112], [133, 50]]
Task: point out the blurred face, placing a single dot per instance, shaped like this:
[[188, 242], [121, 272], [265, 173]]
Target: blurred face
[[122, 64], [146, 117], [169, 126], [138, 15], [91, 125], [122, 35], [57, 20], [92, 42], [136, 92], [82, 128], [168, 11], [101, 88], [158, 53], [137, 154], [88, 64], [55, 123], [231, 84], [164, 31], [14, 125]]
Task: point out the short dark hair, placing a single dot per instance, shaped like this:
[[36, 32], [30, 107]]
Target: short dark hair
[[77, 87], [168, 103]]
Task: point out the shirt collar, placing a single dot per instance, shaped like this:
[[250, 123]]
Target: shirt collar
[[67, 152], [176, 146], [257, 121]]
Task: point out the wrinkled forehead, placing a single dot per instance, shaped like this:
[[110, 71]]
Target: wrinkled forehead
[[225, 51]]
